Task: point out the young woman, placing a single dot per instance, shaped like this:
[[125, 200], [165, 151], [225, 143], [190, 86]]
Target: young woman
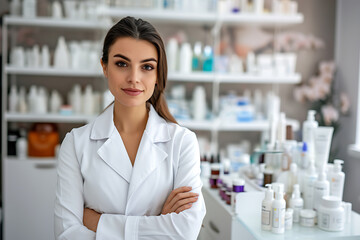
[[133, 173]]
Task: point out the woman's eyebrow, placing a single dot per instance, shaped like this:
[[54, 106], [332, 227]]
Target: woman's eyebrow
[[128, 59]]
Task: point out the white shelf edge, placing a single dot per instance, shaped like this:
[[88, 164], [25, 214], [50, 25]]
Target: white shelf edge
[[19, 117], [53, 22], [36, 160], [192, 77], [51, 72], [266, 19], [258, 79]]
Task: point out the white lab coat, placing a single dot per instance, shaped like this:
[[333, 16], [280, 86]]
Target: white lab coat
[[94, 171]]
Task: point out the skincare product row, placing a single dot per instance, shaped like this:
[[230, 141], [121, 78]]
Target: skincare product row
[[83, 55], [182, 58], [39, 101], [182, 109], [73, 9], [278, 64], [174, 5], [257, 6]]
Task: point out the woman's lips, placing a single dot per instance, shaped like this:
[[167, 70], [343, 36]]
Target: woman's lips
[[132, 91]]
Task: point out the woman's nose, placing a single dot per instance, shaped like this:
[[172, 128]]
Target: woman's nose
[[134, 76]]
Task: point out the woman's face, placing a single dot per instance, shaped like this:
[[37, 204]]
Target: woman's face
[[131, 71]]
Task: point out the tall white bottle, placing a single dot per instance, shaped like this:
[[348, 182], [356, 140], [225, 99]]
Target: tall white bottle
[[278, 210], [308, 132], [296, 203], [321, 189], [309, 180], [266, 209], [337, 179]]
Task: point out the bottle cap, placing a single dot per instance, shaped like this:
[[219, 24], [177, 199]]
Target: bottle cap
[[311, 115], [304, 147], [269, 194], [337, 165], [238, 182], [331, 201]]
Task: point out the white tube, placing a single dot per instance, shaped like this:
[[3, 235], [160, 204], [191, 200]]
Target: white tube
[[322, 143]]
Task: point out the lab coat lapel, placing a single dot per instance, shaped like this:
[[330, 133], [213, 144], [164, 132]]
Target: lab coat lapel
[[149, 155], [112, 151]]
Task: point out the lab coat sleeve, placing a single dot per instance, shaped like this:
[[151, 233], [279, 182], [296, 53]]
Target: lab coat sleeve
[[69, 202], [185, 225]]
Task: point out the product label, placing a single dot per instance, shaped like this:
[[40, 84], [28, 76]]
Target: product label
[[265, 217], [324, 220], [278, 217], [296, 215], [331, 222]]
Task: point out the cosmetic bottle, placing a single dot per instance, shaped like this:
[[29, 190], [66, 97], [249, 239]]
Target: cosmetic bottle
[[296, 203], [266, 208], [45, 57], [199, 103], [321, 189], [259, 6], [56, 10], [29, 8], [13, 99], [32, 98], [197, 59], [278, 210], [88, 101], [41, 106], [36, 56], [23, 105], [185, 58], [238, 186], [22, 145], [208, 59], [62, 55], [309, 127], [309, 180], [172, 55], [250, 63], [337, 179], [76, 102], [55, 102], [15, 8]]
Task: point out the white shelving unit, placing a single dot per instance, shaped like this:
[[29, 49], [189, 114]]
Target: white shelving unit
[[18, 173]]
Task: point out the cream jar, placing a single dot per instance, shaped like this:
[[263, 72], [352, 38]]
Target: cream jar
[[307, 217], [331, 214]]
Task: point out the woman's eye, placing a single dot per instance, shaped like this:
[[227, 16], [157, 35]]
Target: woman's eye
[[121, 64], [148, 67]]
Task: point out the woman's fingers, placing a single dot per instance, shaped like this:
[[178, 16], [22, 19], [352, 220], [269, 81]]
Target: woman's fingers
[[181, 196], [182, 208], [176, 191], [183, 202]]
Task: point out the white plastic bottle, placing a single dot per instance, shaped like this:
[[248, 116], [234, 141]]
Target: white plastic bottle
[[266, 208], [308, 131], [309, 180], [296, 203], [278, 210], [337, 179], [321, 188]]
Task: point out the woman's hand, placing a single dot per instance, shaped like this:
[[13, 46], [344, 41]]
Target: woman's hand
[[179, 200], [91, 219]]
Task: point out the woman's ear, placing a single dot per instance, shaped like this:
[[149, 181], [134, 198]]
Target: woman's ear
[[104, 67]]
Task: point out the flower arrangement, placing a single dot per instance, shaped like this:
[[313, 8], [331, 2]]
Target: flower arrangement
[[320, 91]]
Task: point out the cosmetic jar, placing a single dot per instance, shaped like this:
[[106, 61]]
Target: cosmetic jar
[[331, 214], [289, 218], [307, 217]]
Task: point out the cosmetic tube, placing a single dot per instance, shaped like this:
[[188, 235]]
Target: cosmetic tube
[[322, 143]]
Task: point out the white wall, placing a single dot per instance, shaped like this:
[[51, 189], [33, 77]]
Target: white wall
[[347, 49]]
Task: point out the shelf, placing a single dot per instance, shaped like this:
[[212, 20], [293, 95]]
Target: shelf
[[54, 23], [261, 19], [199, 125], [35, 160], [172, 16], [165, 16], [19, 117], [244, 126], [52, 72], [258, 79], [192, 77]]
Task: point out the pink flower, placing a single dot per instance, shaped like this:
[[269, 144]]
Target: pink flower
[[330, 114], [299, 94], [327, 68], [344, 103]]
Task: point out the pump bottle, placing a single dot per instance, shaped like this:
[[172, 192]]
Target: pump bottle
[[337, 178], [266, 208], [296, 203], [309, 180], [308, 131], [321, 188], [278, 210]]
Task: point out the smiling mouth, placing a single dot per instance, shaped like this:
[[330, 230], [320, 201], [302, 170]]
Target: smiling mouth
[[132, 91]]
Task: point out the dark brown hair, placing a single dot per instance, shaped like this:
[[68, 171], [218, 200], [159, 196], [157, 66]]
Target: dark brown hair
[[143, 30]]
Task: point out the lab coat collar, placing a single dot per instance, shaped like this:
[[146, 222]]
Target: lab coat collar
[[156, 126]]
